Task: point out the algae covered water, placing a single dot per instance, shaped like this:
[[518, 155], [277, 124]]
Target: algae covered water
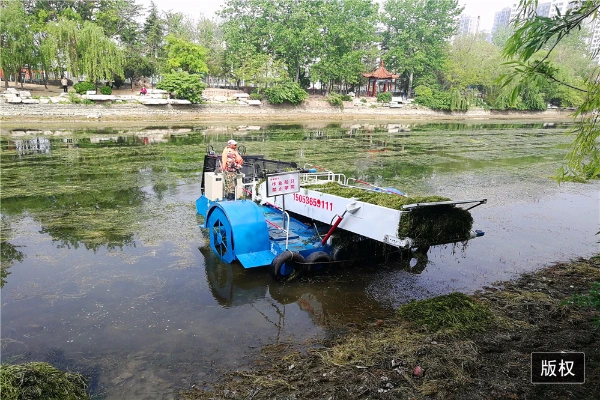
[[105, 270]]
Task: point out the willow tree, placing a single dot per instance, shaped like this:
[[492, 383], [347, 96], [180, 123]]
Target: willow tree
[[16, 39], [58, 48], [82, 49], [99, 57], [532, 44]]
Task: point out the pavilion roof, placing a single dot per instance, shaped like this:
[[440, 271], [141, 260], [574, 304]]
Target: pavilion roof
[[381, 73]]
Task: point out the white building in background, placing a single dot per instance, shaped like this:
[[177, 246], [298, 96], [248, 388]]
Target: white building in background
[[468, 25], [501, 19], [548, 8], [594, 40]]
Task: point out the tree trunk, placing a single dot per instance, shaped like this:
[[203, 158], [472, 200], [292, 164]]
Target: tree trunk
[[409, 89], [45, 76], [6, 81]]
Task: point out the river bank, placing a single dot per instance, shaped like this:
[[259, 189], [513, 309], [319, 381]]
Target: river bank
[[316, 110], [50, 106], [486, 355]]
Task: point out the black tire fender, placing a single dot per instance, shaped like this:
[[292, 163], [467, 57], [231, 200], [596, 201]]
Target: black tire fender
[[318, 262], [287, 266]]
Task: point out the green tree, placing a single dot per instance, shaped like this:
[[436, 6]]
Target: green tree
[[52, 10], [183, 85], [153, 32], [137, 66], [82, 49], [100, 58], [347, 33], [179, 25], [287, 30], [415, 34], [472, 62], [185, 56], [118, 19], [16, 39], [534, 41], [210, 36], [501, 35]]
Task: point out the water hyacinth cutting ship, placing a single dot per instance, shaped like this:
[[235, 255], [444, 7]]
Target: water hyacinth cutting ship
[[301, 220]]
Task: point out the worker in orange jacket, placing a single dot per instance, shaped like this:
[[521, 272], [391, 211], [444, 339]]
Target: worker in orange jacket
[[231, 164]]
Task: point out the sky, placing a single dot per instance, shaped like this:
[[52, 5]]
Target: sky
[[485, 9]]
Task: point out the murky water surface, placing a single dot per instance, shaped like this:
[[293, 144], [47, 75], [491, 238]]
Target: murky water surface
[[107, 272]]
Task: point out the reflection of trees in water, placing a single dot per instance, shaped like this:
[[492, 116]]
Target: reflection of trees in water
[[8, 252], [91, 219], [8, 255]]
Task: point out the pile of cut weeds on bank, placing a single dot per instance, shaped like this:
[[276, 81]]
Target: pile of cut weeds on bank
[[467, 347]]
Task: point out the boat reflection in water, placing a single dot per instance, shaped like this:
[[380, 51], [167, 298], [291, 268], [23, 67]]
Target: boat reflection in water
[[339, 297]]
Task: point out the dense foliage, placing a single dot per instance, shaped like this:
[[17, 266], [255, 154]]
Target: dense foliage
[[335, 100], [106, 90], [183, 86], [537, 43], [384, 97], [84, 86], [288, 91]]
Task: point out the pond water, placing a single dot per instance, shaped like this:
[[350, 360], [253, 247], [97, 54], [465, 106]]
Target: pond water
[[106, 270]]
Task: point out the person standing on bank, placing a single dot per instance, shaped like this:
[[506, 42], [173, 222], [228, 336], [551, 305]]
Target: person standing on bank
[[231, 164], [65, 83]]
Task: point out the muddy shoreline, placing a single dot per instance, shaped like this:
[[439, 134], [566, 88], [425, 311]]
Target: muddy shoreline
[[528, 314]]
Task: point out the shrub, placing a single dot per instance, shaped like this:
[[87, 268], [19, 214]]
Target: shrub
[[106, 90], [434, 99], [290, 92], [74, 98], [335, 100], [384, 97], [84, 86], [183, 85], [346, 97], [363, 100], [256, 96]]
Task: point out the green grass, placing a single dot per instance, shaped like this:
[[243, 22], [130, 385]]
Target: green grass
[[591, 299]]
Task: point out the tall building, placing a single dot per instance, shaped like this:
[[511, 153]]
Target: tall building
[[549, 8], [468, 25], [594, 40], [501, 19]]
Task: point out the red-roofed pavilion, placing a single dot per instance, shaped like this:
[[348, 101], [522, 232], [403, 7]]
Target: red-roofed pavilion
[[380, 74]]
